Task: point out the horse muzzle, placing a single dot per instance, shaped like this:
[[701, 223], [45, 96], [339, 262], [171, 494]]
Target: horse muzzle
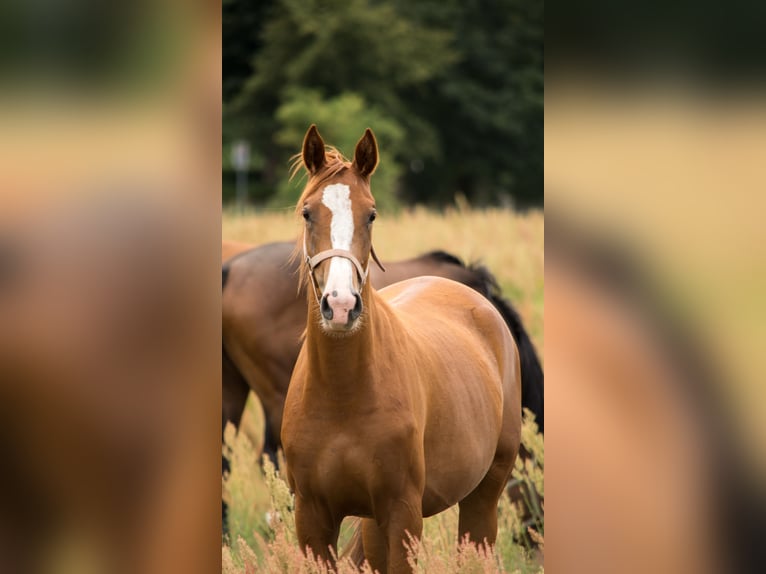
[[341, 310]]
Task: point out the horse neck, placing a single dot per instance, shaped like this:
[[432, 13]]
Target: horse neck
[[345, 361]]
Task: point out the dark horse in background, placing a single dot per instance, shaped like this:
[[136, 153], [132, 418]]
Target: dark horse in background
[[264, 315]]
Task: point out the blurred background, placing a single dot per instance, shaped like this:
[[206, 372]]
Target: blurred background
[[655, 137], [109, 286], [92, 95], [453, 90]]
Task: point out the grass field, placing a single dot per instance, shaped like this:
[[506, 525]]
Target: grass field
[[260, 521]]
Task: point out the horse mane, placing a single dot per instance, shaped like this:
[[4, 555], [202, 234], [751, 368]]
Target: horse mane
[[532, 377], [335, 163], [444, 257]]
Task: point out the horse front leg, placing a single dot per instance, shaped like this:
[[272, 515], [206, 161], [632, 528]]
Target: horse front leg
[[405, 516], [316, 529]]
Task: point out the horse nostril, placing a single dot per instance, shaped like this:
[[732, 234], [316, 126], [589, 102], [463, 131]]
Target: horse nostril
[[357, 310], [325, 308]]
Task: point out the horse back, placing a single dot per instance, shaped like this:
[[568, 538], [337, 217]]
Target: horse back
[[450, 321], [429, 304]]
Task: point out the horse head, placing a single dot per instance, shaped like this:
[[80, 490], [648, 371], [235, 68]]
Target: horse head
[[338, 210]]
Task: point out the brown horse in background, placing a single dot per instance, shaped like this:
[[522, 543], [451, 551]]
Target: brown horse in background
[[403, 402], [231, 248], [264, 315]]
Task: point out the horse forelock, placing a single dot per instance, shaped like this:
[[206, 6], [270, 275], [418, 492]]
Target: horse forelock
[[335, 163]]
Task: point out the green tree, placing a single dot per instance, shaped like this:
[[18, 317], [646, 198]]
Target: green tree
[[336, 47], [488, 106], [242, 22], [461, 80]]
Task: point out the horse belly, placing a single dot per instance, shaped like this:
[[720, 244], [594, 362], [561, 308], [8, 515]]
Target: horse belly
[[462, 434], [453, 473]]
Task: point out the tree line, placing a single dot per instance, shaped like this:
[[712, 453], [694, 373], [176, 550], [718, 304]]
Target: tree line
[[452, 88]]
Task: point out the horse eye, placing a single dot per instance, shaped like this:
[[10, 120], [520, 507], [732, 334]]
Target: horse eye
[[306, 214], [373, 215]]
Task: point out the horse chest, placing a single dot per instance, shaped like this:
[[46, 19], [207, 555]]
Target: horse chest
[[339, 468], [351, 463]]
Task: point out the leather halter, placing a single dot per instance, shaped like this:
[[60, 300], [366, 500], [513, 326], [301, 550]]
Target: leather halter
[[312, 262]]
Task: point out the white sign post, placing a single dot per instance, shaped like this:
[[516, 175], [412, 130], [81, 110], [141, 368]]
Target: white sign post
[[240, 158]]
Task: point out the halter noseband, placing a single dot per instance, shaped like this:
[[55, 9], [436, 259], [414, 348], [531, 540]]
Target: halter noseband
[[312, 262]]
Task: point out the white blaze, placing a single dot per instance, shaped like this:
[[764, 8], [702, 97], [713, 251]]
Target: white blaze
[[337, 199]]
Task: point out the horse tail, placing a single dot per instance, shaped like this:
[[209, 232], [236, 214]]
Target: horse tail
[[354, 550], [532, 378]]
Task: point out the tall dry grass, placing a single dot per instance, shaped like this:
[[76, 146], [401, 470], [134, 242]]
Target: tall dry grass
[[261, 524]]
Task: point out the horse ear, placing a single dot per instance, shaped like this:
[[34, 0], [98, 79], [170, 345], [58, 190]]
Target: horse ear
[[366, 154], [313, 150]]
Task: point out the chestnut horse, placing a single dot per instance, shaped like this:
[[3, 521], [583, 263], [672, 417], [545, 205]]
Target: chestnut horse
[[264, 315], [403, 402]]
